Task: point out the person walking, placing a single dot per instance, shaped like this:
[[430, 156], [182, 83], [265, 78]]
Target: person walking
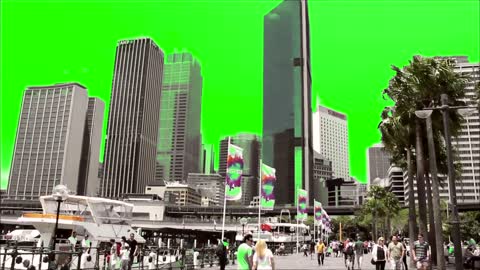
[[379, 254], [132, 243], [73, 240], [421, 253], [222, 254], [359, 251], [320, 248], [396, 253], [125, 257], [244, 253], [312, 249], [263, 257], [404, 243]]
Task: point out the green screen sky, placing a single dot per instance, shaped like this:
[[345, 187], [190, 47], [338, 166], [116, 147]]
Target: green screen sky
[[353, 44]]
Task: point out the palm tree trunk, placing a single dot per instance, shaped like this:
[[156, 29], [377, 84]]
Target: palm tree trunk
[[431, 222], [412, 216], [422, 201]]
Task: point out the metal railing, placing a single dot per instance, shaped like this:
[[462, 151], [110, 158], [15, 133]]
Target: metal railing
[[13, 256]]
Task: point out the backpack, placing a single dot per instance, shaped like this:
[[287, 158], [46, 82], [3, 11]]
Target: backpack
[[349, 250]]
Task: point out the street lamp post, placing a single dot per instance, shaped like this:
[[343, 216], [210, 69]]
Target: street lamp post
[[451, 184], [60, 194], [427, 114], [243, 221], [456, 237]]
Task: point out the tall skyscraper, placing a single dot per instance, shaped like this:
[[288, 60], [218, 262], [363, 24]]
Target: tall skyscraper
[[287, 132], [208, 159], [467, 143], [331, 139], [251, 155], [88, 181], [378, 162], [48, 146], [132, 129], [179, 148]]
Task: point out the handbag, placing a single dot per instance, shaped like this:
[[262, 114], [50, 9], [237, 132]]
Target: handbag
[[373, 262]]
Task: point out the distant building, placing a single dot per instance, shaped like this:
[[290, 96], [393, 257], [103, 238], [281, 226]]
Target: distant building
[[322, 170], [157, 188], [342, 192], [330, 135], [132, 128], [396, 183], [378, 162], [57, 142], [212, 184], [89, 182], [208, 159], [184, 194], [251, 153], [179, 134]]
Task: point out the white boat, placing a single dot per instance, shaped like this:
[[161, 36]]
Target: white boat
[[101, 219]]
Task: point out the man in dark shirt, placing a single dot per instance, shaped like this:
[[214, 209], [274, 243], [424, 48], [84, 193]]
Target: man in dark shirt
[[132, 243]]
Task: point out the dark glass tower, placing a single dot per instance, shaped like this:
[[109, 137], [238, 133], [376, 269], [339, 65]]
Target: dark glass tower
[[287, 132], [130, 151]]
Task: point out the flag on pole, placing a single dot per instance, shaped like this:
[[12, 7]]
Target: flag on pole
[[268, 179], [317, 210], [302, 204], [233, 185]]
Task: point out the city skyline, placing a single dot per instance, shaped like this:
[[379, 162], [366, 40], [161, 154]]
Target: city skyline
[[369, 44]]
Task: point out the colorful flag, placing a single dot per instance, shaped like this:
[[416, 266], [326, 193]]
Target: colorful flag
[[268, 179], [233, 186], [302, 204], [317, 210]]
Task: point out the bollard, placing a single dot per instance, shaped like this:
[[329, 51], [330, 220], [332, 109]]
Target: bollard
[[14, 256], [4, 256], [202, 265], [170, 259], [158, 252]]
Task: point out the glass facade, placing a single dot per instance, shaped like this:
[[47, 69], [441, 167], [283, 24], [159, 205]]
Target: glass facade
[[287, 140], [179, 135]]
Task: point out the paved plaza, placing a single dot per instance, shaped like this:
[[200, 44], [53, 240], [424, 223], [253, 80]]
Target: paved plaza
[[298, 261]]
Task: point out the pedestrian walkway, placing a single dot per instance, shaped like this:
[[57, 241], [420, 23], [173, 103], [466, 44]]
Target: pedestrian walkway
[[298, 261]]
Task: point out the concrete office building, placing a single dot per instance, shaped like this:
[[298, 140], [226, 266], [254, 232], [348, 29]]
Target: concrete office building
[[179, 148], [212, 184], [322, 170], [396, 183], [132, 129], [251, 155], [51, 140], [183, 193], [468, 141], [378, 162], [287, 124], [88, 182], [331, 139]]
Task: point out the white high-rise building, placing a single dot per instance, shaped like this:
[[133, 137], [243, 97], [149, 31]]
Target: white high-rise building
[[57, 142], [330, 138], [468, 141]]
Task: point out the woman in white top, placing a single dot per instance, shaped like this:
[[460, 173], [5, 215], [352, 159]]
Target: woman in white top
[[263, 257], [379, 254]]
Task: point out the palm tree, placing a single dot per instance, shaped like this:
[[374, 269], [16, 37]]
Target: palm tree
[[397, 137], [415, 87]]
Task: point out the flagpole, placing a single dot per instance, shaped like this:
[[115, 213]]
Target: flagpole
[[225, 195], [259, 198], [298, 205]]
